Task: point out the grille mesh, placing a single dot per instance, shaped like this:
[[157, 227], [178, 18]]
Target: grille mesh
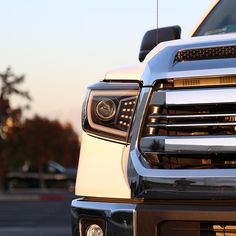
[[206, 53]]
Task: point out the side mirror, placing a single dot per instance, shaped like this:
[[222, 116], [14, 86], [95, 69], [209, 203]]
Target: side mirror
[[156, 36]]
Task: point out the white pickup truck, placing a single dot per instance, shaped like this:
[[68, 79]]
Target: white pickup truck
[[158, 153]]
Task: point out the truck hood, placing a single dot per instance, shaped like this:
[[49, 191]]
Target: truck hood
[[127, 73], [159, 63]]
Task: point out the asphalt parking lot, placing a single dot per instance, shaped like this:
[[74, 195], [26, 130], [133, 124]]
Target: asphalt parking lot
[[35, 214]]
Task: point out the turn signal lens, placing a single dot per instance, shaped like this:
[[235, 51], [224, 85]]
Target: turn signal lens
[[226, 80]]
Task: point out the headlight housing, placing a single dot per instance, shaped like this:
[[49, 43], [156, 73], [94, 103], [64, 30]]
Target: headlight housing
[[109, 108]]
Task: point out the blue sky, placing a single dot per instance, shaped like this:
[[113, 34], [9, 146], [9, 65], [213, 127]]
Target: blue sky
[[63, 45]]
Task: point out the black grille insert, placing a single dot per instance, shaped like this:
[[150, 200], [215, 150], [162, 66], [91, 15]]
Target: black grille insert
[[192, 161], [193, 120], [206, 53], [186, 228]]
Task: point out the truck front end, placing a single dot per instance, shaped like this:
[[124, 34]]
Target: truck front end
[[159, 145]]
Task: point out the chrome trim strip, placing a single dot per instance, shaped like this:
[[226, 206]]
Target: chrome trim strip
[[190, 144], [191, 125], [194, 96], [173, 174], [135, 220], [80, 203], [192, 116], [107, 139]]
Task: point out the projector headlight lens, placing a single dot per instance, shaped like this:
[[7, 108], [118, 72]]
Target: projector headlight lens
[[106, 109]]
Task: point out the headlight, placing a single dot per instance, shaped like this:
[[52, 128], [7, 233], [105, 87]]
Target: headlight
[[109, 108]]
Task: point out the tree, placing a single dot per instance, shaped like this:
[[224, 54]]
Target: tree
[[40, 140], [9, 116], [9, 86]]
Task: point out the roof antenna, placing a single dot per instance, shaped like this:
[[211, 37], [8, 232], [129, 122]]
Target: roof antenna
[[157, 25]]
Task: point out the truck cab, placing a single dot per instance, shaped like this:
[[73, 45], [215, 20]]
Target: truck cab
[[158, 152]]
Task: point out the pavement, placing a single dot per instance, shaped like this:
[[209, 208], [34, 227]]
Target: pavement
[[35, 231], [35, 213], [36, 195]]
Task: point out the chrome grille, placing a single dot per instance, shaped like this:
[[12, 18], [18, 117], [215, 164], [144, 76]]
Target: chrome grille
[[205, 53], [191, 128], [217, 119]]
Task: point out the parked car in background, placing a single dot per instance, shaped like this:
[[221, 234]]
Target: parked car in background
[[53, 175]]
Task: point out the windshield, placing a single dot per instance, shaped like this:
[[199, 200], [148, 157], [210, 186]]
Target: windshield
[[221, 20]]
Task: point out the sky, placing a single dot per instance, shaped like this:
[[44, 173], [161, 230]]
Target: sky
[[63, 45]]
